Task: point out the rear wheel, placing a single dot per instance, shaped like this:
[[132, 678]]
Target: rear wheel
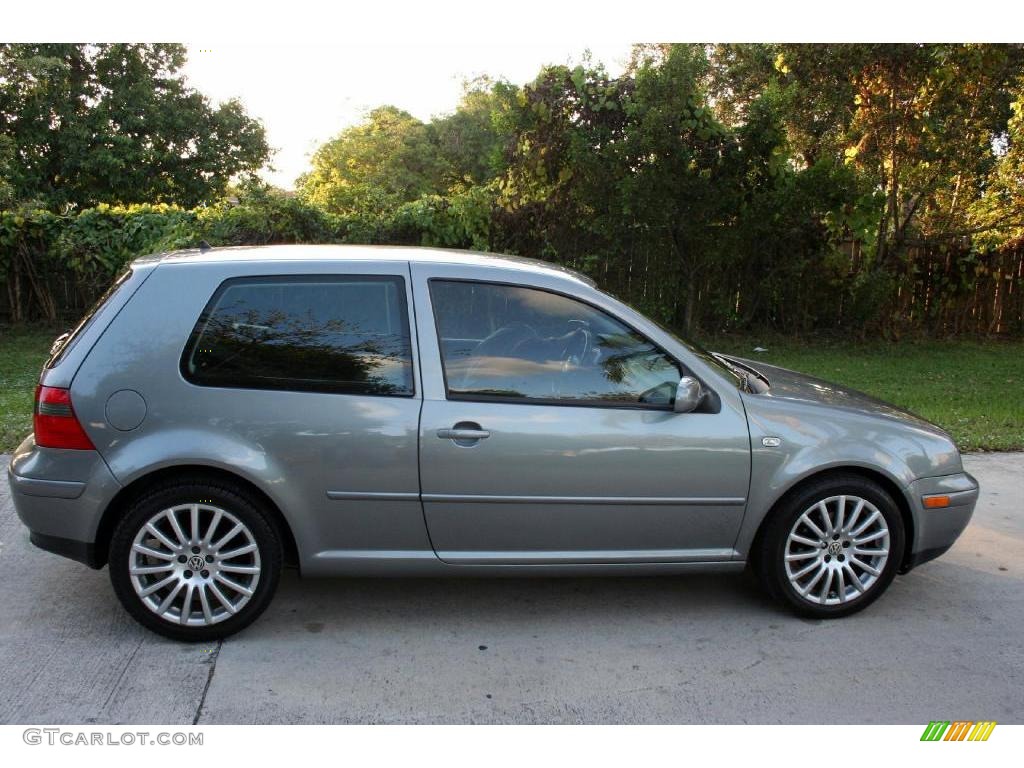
[[195, 560], [832, 548]]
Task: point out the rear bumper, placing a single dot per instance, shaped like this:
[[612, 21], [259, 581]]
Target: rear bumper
[[936, 530], [79, 551], [60, 496]]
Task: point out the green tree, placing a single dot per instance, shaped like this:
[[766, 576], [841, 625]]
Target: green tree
[[636, 166], [116, 123], [375, 166], [472, 140], [919, 122], [921, 127], [996, 216]]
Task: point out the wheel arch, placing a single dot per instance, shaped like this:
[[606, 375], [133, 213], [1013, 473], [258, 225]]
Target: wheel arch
[[887, 483], [123, 499]]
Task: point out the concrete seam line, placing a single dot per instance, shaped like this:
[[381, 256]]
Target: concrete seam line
[[209, 679]]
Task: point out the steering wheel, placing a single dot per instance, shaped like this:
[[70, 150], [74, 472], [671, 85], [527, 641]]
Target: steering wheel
[[577, 347], [578, 344], [501, 341]]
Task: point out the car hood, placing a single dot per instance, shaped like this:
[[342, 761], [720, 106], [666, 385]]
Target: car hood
[[785, 384]]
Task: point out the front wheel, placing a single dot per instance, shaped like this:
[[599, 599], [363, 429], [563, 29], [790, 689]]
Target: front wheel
[[832, 549], [195, 560]]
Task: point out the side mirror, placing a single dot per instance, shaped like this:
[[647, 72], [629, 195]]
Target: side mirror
[[689, 395]]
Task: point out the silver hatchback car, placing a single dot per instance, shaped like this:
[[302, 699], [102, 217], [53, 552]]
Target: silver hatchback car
[[357, 411]]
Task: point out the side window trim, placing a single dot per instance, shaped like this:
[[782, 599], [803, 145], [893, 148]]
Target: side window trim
[[570, 403], [406, 315]]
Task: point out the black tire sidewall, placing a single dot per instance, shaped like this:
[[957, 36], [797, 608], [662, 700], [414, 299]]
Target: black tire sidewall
[[232, 499], [772, 554]]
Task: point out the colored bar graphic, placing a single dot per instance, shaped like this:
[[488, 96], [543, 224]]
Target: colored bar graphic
[[982, 730], [958, 730], [934, 730]]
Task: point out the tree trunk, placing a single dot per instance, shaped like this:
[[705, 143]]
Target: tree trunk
[[691, 303]]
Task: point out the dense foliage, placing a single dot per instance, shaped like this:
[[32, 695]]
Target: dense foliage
[[856, 189], [115, 123]]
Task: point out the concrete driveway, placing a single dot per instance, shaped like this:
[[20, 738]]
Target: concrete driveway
[[944, 644]]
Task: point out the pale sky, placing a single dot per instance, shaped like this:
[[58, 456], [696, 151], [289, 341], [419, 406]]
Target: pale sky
[[306, 94]]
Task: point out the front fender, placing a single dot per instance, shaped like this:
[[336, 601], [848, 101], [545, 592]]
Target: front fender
[[813, 439]]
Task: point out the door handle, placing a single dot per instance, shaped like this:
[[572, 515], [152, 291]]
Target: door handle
[[462, 434]]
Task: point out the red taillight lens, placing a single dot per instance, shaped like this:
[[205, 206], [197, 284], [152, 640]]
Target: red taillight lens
[[55, 423]]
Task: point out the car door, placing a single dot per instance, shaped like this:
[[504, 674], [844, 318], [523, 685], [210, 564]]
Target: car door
[[307, 379], [548, 434]]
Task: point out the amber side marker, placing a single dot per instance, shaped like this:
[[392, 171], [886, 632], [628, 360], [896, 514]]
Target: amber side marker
[[935, 502]]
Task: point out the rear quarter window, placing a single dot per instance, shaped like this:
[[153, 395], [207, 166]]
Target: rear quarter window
[[336, 334], [64, 344]]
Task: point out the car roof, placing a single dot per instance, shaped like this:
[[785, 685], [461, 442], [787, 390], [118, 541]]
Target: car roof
[[342, 253]]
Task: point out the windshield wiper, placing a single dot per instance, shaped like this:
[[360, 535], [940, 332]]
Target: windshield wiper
[[743, 375]]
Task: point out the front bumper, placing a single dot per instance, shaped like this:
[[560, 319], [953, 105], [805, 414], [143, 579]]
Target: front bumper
[[60, 495], [936, 530]]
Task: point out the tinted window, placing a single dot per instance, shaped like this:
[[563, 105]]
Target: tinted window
[[66, 342], [323, 334], [502, 341]]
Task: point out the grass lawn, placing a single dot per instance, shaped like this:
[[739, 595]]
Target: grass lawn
[[975, 390], [22, 354]]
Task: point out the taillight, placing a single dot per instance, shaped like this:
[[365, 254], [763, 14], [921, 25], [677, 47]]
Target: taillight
[[55, 423]]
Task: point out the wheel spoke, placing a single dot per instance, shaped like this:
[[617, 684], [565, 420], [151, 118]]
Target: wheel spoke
[[170, 597], [870, 552], [186, 606], [866, 524], [842, 585], [823, 598], [840, 513], [233, 584], [806, 518], [227, 537], [147, 570], [806, 542], [159, 536], [194, 520], [817, 577], [805, 570], [249, 569], [150, 552], [237, 552], [857, 509], [823, 508], [853, 577], [157, 586], [801, 556], [228, 605], [213, 527], [173, 517], [871, 537], [204, 602], [865, 567]]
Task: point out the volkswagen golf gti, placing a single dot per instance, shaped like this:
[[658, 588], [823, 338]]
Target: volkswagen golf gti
[[365, 411]]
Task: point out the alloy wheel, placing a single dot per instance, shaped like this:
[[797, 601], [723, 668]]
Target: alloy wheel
[[837, 550], [194, 564]]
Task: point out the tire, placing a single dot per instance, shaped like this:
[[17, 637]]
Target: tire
[[850, 578], [159, 540]]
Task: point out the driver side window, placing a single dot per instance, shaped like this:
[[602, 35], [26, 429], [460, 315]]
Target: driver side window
[[507, 342]]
